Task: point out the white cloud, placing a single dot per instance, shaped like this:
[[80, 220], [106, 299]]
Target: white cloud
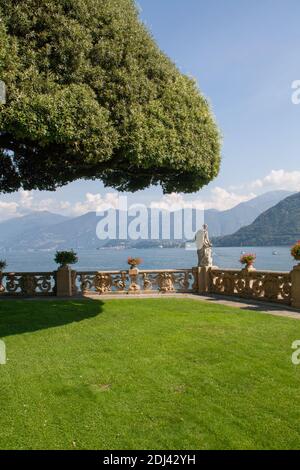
[[279, 179], [8, 210], [220, 199], [174, 202], [64, 205], [26, 203], [97, 203], [26, 199]]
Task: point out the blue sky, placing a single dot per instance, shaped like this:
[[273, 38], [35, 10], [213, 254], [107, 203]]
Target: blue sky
[[245, 56]]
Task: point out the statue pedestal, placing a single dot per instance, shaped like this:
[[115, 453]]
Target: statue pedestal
[[203, 278]]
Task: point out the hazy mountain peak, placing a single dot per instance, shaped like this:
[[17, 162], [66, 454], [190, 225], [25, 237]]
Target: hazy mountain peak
[[229, 221], [279, 225]]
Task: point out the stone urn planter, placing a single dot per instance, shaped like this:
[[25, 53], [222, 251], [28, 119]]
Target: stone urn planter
[[134, 287], [133, 267], [133, 273], [249, 267], [134, 263], [298, 260]]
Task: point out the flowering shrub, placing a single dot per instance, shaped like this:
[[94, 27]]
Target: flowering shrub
[[65, 257], [134, 261], [248, 258], [295, 250]]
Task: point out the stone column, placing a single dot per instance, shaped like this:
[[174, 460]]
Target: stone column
[[296, 287], [64, 282]]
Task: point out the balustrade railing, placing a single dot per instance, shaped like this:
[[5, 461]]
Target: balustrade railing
[[259, 285], [135, 281], [28, 284], [279, 287]]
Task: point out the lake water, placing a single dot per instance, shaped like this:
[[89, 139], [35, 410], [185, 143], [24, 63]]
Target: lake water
[[156, 258]]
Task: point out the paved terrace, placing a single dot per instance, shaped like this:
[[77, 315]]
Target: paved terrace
[[243, 304]]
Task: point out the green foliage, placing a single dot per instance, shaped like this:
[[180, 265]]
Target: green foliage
[[65, 257], [90, 95], [3, 264], [295, 250], [248, 258]]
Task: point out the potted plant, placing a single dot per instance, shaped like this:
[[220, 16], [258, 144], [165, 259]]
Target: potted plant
[[64, 258], [248, 260], [3, 265], [295, 251], [134, 262]]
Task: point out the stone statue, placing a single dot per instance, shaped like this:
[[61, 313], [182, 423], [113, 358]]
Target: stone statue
[[204, 248]]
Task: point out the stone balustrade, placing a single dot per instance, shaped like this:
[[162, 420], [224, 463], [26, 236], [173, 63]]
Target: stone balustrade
[[279, 287], [136, 281], [258, 285], [28, 284]]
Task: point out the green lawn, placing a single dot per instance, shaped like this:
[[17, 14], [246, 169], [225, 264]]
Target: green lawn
[[135, 374]]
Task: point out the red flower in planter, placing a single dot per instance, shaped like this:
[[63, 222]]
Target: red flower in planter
[[295, 250], [248, 258], [134, 261]]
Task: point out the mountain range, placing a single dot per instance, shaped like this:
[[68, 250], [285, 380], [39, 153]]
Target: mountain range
[[277, 226], [13, 229], [46, 231], [222, 223]]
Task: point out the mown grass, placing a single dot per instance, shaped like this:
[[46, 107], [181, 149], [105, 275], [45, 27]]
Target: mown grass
[[146, 374]]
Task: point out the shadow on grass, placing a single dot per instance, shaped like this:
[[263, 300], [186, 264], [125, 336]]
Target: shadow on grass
[[251, 304], [17, 317]]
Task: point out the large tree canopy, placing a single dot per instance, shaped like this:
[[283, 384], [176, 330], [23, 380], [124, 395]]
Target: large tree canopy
[[90, 95]]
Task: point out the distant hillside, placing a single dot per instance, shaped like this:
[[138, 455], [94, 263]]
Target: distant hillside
[[79, 232], [227, 222], [47, 231], [279, 225], [13, 229]]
